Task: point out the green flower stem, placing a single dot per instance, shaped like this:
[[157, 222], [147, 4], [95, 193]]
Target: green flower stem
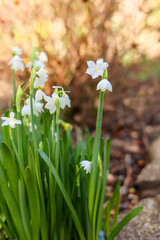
[[14, 86], [21, 166], [20, 150], [37, 165], [92, 185]]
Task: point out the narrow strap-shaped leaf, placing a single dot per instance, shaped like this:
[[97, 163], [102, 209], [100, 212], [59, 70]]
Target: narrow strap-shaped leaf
[[116, 208], [105, 174], [12, 205], [34, 203], [65, 195], [5, 210], [107, 210], [11, 168], [24, 212], [124, 222]]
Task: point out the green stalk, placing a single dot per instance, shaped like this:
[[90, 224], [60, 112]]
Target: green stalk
[[14, 86], [92, 184], [37, 166]]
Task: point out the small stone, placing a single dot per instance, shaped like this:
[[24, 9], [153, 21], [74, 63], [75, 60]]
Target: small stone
[[101, 235]]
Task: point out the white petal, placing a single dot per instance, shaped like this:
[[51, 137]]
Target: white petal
[[91, 64], [104, 85], [26, 110], [12, 124], [95, 75], [43, 57], [105, 64], [18, 121], [4, 118], [87, 165], [39, 95], [5, 123], [100, 72], [89, 71], [99, 61], [12, 114], [16, 50]]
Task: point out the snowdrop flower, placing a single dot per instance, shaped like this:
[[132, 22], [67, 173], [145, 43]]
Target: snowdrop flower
[[16, 50], [43, 57], [51, 106], [37, 108], [16, 63], [37, 63], [40, 81], [64, 100], [39, 95], [87, 165], [104, 85], [96, 69], [11, 121]]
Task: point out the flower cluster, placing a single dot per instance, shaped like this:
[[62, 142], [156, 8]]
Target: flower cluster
[[41, 59], [97, 69], [16, 62]]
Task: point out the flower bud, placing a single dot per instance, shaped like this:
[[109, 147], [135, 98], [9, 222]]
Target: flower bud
[[18, 99]]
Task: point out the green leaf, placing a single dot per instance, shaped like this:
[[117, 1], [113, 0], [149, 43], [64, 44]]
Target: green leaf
[[124, 222], [11, 168], [116, 208], [6, 134], [34, 203], [65, 195], [12, 205], [107, 210], [24, 212]]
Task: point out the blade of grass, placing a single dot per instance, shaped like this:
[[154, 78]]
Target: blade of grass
[[124, 222]]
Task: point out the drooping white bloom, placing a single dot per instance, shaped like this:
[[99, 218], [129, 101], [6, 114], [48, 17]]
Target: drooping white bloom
[[43, 57], [37, 63], [11, 121], [16, 50], [16, 63], [37, 107], [40, 81], [104, 85], [96, 69], [39, 95], [87, 165], [51, 105], [64, 100]]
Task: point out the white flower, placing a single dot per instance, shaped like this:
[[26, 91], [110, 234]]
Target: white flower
[[64, 100], [104, 85], [96, 69], [51, 106], [16, 50], [43, 57], [39, 95], [40, 81], [16, 63], [37, 63], [87, 165], [11, 121], [37, 108]]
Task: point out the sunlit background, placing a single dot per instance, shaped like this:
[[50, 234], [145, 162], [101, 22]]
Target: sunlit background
[[125, 33]]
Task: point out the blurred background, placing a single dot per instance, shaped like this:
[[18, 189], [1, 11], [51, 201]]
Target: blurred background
[[126, 34]]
